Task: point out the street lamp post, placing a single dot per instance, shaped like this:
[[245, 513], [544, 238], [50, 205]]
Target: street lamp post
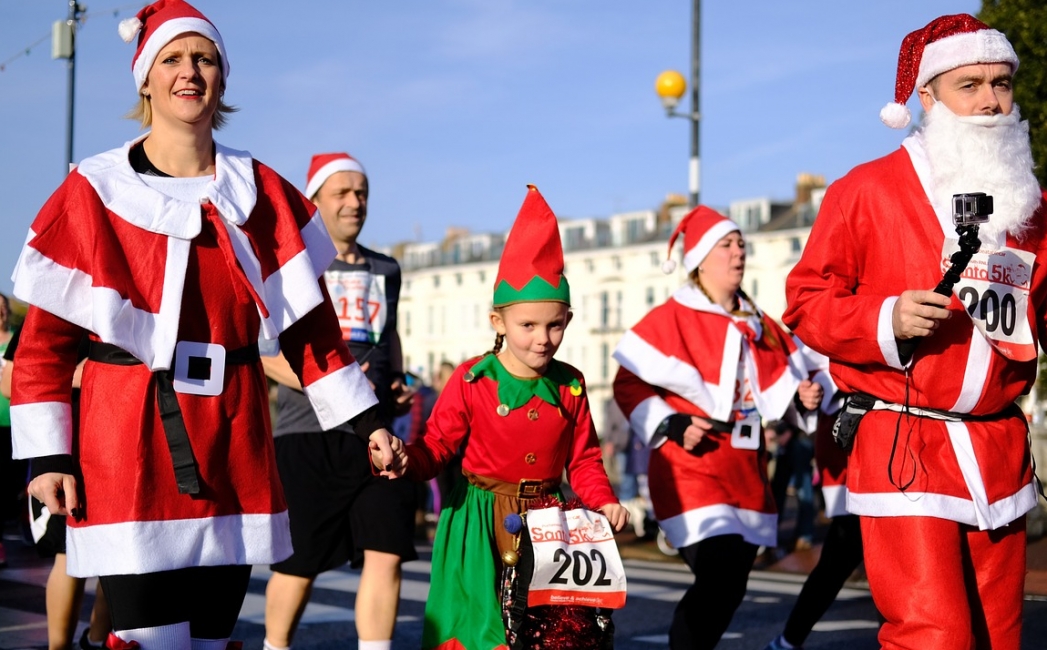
[[63, 46], [671, 85]]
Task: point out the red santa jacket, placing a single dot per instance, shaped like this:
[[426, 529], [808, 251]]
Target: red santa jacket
[[877, 235], [685, 357], [112, 257]]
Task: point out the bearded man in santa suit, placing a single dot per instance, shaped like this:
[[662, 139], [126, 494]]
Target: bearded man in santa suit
[[940, 470]]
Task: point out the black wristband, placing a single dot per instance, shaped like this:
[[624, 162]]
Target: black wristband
[[673, 427], [60, 463], [367, 422]]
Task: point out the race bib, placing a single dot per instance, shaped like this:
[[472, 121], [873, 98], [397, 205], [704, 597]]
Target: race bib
[[576, 561], [359, 301], [747, 431], [994, 289]]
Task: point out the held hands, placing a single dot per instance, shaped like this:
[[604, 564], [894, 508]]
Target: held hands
[[58, 492], [810, 394], [387, 453], [616, 515], [918, 313]]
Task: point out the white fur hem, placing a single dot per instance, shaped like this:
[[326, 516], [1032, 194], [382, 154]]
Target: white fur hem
[[926, 504], [41, 429], [695, 525], [340, 395], [149, 546]]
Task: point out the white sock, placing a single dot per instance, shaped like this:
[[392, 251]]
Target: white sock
[[266, 645], [164, 637], [209, 644], [375, 645], [784, 643]]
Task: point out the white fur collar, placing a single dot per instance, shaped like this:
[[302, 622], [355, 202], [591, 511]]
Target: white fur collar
[[232, 191], [691, 296]]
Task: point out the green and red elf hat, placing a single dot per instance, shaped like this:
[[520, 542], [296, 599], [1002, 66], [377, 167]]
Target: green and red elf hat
[[531, 268]]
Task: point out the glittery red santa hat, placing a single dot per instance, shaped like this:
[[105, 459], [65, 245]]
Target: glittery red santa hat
[[946, 43], [531, 267], [701, 228], [323, 165], [158, 24]]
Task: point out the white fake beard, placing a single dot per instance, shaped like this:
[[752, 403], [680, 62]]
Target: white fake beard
[[983, 153]]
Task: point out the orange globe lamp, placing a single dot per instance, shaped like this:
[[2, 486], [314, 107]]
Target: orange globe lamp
[[670, 86]]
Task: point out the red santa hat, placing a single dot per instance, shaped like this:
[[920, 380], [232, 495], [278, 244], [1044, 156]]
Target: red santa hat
[[946, 43], [324, 164], [531, 267], [701, 228], [158, 24]]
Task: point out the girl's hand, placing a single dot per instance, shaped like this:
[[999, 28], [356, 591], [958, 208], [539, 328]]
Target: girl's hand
[[387, 453], [616, 515], [810, 394]]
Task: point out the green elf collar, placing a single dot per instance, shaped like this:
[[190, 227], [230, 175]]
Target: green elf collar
[[514, 392]]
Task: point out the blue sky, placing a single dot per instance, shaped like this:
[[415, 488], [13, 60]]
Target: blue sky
[[455, 105]]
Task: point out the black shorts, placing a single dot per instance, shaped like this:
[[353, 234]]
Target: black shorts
[[51, 541], [336, 507]]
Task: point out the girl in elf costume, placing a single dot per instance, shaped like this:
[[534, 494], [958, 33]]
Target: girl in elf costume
[[522, 418]]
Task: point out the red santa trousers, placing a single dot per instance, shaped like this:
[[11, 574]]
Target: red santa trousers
[[944, 585]]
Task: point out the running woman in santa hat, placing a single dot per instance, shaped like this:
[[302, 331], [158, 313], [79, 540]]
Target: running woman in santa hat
[[940, 469], [699, 374], [172, 253], [521, 419]]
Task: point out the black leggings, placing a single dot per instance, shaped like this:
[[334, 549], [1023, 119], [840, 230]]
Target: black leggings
[[721, 568], [841, 555], [208, 597]]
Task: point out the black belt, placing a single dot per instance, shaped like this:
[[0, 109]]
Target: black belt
[[167, 403]]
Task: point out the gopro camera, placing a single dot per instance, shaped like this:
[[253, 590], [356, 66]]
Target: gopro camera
[[971, 209]]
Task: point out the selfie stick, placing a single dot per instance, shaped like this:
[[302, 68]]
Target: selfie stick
[[969, 210]]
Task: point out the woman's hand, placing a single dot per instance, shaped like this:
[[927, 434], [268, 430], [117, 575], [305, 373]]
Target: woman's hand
[[810, 394], [616, 515], [387, 453], [58, 492], [694, 433]]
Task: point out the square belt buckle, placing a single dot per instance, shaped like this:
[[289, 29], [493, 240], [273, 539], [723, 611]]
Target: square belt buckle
[[529, 489], [199, 368]]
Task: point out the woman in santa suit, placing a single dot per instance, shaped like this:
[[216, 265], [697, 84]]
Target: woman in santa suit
[[172, 253], [698, 376]]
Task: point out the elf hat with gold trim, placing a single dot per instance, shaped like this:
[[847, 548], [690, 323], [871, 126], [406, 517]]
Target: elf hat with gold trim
[[531, 268]]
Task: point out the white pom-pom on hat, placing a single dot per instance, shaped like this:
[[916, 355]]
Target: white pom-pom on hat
[[895, 115], [668, 266], [129, 28]]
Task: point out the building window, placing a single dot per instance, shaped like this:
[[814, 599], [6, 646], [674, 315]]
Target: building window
[[458, 279], [436, 281], [605, 309], [649, 297], [483, 276], [616, 262], [605, 361], [618, 310], [796, 247], [407, 323], [755, 288], [656, 259]]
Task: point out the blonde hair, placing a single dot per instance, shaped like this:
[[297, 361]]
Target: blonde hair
[[498, 338]]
